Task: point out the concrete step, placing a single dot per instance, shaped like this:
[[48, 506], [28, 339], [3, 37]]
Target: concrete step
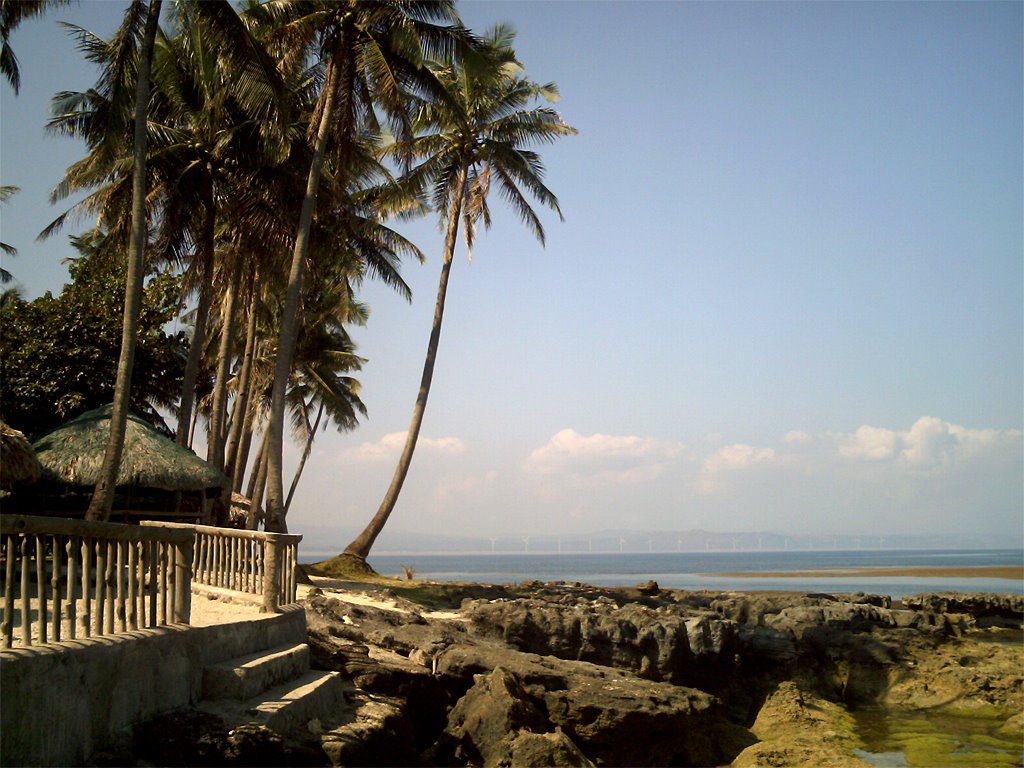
[[288, 707], [247, 676]]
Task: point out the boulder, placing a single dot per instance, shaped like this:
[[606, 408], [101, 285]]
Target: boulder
[[485, 722], [664, 643], [987, 608], [614, 717]]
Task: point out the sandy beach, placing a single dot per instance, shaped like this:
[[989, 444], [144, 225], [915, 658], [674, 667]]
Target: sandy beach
[[1010, 572]]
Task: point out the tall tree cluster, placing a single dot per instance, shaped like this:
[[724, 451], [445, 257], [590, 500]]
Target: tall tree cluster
[[259, 155]]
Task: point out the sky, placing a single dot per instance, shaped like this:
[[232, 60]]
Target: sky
[[787, 294]]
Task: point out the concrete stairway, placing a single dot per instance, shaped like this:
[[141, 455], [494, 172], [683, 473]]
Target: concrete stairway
[[274, 688]]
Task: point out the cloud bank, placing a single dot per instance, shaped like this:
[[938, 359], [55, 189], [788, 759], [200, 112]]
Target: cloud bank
[[389, 447]]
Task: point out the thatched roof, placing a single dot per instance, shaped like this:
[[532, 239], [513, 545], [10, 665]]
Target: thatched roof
[[239, 511], [18, 462], [73, 454]]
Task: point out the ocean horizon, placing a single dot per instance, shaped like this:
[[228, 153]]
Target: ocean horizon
[[696, 570]]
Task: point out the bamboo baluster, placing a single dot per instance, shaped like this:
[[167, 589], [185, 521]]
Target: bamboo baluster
[[41, 587], [154, 571], [72, 554], [220, 561], [163, 583], [143, 564], [86, 619], [235, 559], [250, 569], [133, 580], [122, 622], [101, 584], [26, 600], [108, 609], [8, 623], [293, 558], [55, 590], [262, 567], [170, 591]]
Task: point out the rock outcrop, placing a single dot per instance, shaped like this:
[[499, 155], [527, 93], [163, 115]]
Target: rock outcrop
[[573, 675]]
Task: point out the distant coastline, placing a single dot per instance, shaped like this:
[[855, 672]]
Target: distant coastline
[[1012, 573]]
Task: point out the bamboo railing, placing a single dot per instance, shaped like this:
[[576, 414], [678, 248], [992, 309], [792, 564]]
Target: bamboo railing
[[66, 579], [253, 562]]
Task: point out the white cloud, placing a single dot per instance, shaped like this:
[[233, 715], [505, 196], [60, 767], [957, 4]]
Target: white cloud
[[868, 444], [619, 458], [390, 446], [730, 458], [929, 443], [737, 456], [797, 437]]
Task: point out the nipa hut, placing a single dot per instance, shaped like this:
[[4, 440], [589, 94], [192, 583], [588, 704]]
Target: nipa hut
[[157, 477], [18, 463]]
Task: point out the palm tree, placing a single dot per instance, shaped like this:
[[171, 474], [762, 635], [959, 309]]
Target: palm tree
[[323, 355], [183, 164], [12, 13], [10, 250], [103, 496], [473, 139], [212, 112], [371, 53]]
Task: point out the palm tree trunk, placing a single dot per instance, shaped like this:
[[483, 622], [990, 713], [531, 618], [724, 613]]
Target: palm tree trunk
[[245, 443], [361, 545], [103, 497], [290, 315], [305, 455], [240, 412], [195, 350], [215, 447], [257, 485]]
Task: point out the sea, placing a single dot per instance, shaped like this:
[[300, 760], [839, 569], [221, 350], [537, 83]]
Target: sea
[[696, 570]]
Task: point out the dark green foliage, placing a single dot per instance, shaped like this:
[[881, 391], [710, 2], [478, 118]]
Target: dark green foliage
[[58, 355]]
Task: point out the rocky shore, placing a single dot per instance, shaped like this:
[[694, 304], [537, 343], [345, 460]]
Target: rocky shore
[[572, 675]]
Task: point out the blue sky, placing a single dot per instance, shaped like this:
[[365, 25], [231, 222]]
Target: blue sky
[[787, 294]]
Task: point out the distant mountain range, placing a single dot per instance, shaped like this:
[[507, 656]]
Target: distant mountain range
[[329, 541]]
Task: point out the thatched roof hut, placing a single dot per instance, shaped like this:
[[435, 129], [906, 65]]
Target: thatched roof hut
[[18, 463], [72, 454]]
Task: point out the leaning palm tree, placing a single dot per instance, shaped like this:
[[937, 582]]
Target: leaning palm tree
[[475, 138], [371, 55]]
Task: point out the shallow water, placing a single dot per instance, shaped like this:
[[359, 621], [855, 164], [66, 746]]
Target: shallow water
[[936, 739], [693, 570]]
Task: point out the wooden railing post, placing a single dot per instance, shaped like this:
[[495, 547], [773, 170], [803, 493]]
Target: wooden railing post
[[271, 575], [183, 553]]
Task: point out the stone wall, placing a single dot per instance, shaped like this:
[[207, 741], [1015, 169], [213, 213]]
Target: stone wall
[[63, 702]]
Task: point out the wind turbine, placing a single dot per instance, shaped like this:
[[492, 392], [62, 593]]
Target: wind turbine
[[493, 542], [622, 543], [526, 544]]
